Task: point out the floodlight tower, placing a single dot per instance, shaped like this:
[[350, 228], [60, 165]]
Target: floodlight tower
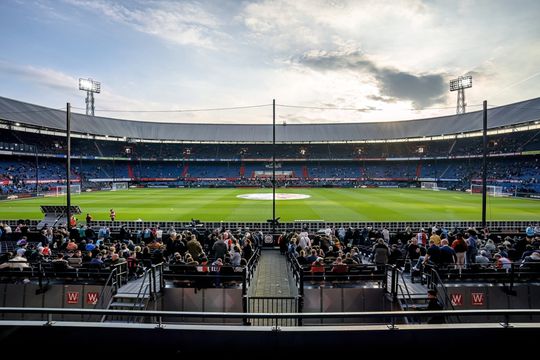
[[91, 87], [460, 84]]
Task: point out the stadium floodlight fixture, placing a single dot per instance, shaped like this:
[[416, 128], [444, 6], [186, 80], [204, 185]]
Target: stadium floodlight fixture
[[459, 85], [462, 82], [91, 87]]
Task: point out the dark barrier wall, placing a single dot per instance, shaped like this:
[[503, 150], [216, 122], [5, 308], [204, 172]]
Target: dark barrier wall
[[494, 297], [324, 300], [55, 296], [207, 300], [237, 341]]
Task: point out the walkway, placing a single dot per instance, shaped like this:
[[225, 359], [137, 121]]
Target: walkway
[[272, 278], [273, 290]]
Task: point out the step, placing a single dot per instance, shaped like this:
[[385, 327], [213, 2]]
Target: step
[[126, 305], [131, 296], [414, 306], [413, 297]]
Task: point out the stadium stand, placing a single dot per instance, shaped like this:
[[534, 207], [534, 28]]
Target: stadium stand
[[349, 268]]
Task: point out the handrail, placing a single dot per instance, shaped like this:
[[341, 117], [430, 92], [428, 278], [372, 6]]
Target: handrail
[[405, 284], [252, 264], [112, 285], [145, 288], [438, 281], [327, 315]]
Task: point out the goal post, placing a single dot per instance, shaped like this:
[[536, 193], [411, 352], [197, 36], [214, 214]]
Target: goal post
[[62, 189], [429, 185], [119, 186], [491, 190]]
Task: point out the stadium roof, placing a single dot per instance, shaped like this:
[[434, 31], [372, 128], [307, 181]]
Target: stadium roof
[[39, 116]]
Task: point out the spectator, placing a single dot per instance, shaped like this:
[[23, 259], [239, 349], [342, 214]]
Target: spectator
[[60, 264], [434, 305], [17, 262], [502, 262], [460, 247]]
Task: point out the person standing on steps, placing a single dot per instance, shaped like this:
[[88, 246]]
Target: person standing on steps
[[434, 305]]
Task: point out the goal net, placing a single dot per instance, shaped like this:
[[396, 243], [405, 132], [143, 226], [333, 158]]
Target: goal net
[[119, 186], [491, 190], [62, 189], [429, 185]]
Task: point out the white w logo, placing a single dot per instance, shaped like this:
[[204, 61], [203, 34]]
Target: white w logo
[[457, 299], [72, 297], [477, 298], [92, 298]]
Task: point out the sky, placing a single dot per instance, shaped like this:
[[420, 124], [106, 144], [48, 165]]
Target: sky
[[321, 60]]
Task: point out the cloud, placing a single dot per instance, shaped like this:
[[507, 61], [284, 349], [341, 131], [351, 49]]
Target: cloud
[[385, 99], [184, 23], [43, 76], [423, 90], [285, 25]]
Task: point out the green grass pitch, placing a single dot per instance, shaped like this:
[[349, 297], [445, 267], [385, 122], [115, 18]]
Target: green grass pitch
[[323, 204]]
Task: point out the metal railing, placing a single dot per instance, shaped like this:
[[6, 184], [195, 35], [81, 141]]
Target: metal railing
[[389, 318], [273, 305]]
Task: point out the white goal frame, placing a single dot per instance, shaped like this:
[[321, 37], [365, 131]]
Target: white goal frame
[[429, 185], [492, 190], [62, 189], [119, 186]]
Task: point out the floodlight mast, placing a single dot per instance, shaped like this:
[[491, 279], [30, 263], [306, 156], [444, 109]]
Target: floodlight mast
[[91, 87], [459, 85]]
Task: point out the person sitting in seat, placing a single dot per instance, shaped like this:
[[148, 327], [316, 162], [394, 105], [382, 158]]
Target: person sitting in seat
[[339, 266], [318, 266], [60, 264], [17, 262]]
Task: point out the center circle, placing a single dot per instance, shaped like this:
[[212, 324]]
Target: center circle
[[268, 196]]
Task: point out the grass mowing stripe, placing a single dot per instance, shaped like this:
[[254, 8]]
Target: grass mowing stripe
[[324, 204]]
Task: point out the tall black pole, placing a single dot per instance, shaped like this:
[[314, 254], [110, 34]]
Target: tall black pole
[[484, 165], [80, 173], [37, 169], [68, 164], [274, 166]]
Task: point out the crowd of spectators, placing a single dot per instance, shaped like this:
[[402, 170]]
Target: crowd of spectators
[[95, 247], [413, 249]]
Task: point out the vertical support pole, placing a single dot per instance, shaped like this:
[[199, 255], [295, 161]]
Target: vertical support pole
[[68, 164], [273, 166], [484, 164], [37, 169]]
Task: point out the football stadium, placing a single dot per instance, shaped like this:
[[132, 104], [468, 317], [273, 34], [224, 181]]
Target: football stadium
[[159, 219], [285, 233]]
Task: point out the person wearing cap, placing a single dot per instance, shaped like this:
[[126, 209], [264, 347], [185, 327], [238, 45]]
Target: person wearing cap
[[434, 305], [521, 244]]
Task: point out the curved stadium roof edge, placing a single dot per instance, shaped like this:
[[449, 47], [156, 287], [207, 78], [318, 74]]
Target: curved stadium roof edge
[[39, 116]]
